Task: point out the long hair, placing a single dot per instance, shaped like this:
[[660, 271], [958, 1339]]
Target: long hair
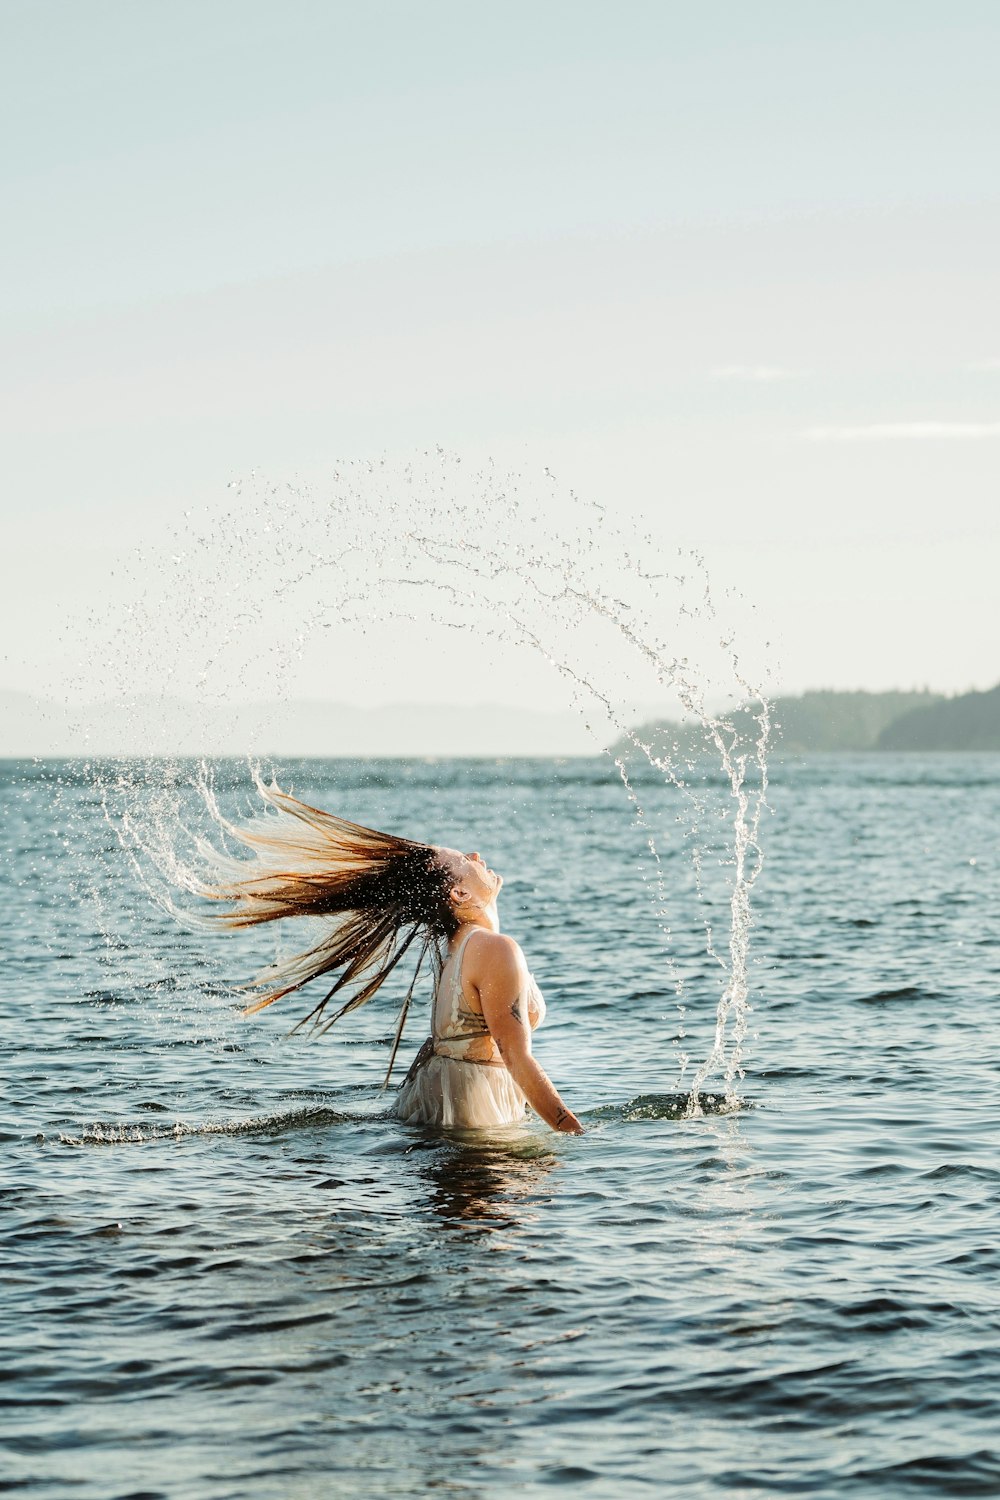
[[385, 893]]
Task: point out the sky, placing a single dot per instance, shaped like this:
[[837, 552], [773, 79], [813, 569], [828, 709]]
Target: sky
[[728, 270]]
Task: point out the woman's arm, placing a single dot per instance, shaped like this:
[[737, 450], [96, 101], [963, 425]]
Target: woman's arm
[[499, 975]]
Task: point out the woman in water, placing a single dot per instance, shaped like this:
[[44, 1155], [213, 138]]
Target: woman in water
[[386, 894]]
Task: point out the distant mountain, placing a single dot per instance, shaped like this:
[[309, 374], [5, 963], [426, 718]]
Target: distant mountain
[[813, 721], [968, 722], [299, 727], [29, 725]]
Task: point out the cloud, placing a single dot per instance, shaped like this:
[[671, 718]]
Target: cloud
[[982, 366], [901, 432], [754, 373]]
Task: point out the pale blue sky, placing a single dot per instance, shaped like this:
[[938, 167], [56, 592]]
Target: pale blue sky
[[160, 148], [727, 266]]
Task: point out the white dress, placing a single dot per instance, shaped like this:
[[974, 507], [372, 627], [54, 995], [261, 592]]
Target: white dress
[[458, 1079]]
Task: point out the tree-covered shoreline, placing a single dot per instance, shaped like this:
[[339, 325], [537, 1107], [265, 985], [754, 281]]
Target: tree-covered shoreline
[[825, 721]]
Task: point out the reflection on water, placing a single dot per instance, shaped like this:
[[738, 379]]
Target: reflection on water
[[492, 1183]]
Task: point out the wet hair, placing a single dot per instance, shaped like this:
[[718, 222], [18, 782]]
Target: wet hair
[[383, 893]]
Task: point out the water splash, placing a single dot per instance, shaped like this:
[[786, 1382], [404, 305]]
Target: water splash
[[676, 1106], [142, 1133], [479, 564]]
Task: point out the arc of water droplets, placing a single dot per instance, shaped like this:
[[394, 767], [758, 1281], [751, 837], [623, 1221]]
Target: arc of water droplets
[[368, 539]]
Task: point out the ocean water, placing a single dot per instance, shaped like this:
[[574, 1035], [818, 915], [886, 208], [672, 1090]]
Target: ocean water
[[226, 1273]]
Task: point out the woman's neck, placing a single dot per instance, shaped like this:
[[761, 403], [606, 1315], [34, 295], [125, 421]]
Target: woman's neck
[[482, 916]]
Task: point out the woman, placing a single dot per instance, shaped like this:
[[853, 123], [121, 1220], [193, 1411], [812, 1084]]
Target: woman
[[386, 894]]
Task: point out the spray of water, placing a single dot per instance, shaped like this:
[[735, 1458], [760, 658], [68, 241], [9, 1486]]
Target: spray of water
[[489, 563]]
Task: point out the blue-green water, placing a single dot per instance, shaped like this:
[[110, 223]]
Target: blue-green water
[[227, 1274]]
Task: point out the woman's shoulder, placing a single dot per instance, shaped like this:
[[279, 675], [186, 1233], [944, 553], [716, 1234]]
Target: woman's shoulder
[[494, 950]]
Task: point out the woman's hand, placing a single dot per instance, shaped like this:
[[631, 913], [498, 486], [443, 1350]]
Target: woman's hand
[[567, 1122]]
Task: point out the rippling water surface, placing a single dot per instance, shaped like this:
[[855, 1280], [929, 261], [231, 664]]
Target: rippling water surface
[[227, 1274]]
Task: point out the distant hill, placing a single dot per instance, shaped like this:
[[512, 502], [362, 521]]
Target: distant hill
[[813, 721], [842, 721], [298, 727], [969, 722]]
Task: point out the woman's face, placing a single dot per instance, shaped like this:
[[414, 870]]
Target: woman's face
[[470, 877]]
